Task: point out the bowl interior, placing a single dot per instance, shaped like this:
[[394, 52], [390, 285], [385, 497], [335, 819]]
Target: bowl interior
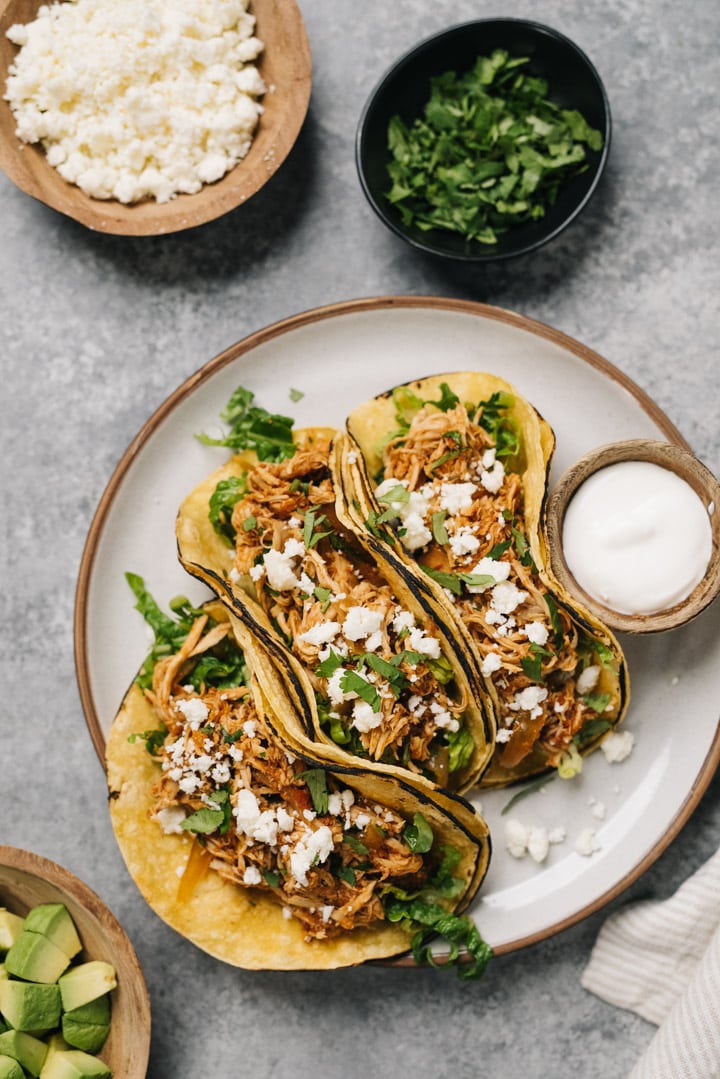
[[690, 469], [26, 879], [404, 90], [285, 65]]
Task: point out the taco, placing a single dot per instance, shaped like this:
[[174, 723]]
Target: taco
[[452, 470], [242, 841], [367, 658]]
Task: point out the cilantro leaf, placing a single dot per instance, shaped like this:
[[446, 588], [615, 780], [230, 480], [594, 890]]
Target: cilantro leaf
[[489, 151], [353, 682], [418, 835], [222, 502], [251, 427], [316, 779]]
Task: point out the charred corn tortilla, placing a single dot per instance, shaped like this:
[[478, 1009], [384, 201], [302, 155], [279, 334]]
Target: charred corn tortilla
[[454, 471], [366, 659], [243, 924]]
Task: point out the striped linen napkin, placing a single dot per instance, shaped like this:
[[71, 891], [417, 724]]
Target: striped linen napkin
[[662, 961]]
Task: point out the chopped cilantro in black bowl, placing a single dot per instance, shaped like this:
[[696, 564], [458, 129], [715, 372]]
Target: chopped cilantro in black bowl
[[484, 141]]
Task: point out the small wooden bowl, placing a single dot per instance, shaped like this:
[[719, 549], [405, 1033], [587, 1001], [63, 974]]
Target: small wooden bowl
[[26, 879], [688, 468], [285, 65]]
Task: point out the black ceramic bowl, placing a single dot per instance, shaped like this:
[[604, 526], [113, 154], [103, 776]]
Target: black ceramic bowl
[[573, 83]]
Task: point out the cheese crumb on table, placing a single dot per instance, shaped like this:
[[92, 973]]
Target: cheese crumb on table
[[139, 99]]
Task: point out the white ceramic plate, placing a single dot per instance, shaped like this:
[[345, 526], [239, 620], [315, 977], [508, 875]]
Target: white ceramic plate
[[338, 356]]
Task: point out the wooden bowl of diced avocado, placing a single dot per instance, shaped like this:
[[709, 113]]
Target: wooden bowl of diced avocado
[[73, 1000]]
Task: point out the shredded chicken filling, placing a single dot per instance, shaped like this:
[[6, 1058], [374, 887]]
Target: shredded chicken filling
[[444, 472], [373, 666], [327, 869]]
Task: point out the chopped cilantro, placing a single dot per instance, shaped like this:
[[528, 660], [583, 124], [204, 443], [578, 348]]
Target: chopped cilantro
[[553, 609], [271, 877], [418, 835], [439, 531], [328, 666], [153, 739], [354, 843], [249, 523], [503, 430], [590, 731], [222, 502], [323, 596], [529, 789], [351, 682], [311, 528], [316, 780], [296, 395], [488, 152], [207, 820], [251, 427], [597, 701]]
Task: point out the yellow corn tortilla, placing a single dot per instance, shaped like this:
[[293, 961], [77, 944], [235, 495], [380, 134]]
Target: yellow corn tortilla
[[204, 554], [369, 428], [242, 926]]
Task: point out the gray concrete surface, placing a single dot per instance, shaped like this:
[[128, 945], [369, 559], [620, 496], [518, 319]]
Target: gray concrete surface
[[96, 331]]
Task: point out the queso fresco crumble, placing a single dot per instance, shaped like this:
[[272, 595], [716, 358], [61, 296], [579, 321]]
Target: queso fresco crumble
[[139, 99]]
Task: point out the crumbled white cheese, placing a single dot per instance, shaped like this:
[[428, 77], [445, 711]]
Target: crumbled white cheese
[[617, 745], [419, 641], [361, 622], [170, 819], [314, 848], [364, 719], [538, 843], [456, 497], [587, 842], [536, 633], [139, 99], [280, 568], [504, 734], [588, 679], [506, 596], [529, 700], [516, 838], [492, 479], [557, 834], [598, 810], [464, 541], [403, 620], [322, 633], [489, 567], [252, 875], [194, 710], [490, 664]]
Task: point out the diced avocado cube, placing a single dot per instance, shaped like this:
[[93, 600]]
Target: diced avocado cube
[[52, 920], [10, 1069], [95, 1011], [74, 1064], [36, 959], [88, 1036], [28, 1006], [10, 928], [85, 982], [87, 1027], [27, 1050]]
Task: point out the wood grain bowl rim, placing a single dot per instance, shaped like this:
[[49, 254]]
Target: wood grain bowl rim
[[352, 307], [27, 878], [676, 459], [286, 66]]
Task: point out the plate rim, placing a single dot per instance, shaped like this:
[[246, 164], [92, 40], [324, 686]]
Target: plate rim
[[323, 313]]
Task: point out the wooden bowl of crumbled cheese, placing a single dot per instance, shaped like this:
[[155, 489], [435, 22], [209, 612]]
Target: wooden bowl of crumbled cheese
[[149, 116]]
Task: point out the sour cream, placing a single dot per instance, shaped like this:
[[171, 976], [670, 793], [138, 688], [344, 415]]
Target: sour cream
[[637, 537]]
